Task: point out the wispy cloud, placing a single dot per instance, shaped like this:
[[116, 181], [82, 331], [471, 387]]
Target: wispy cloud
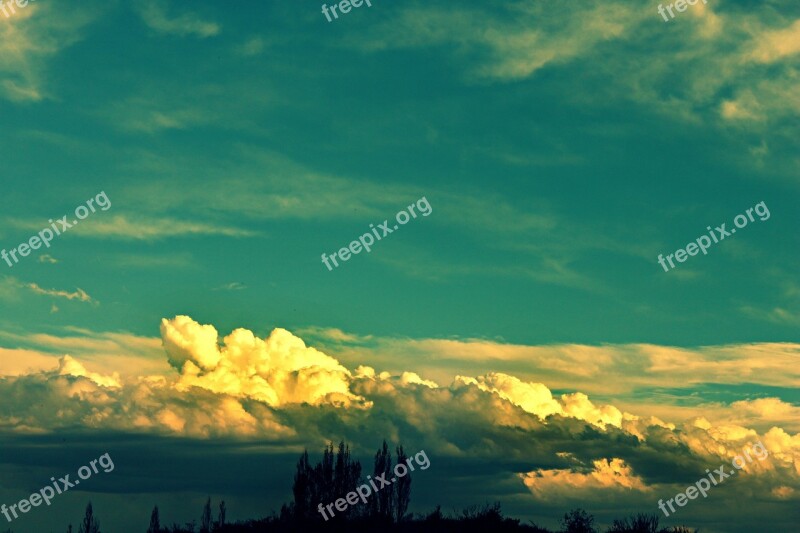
[[145, 260], [155, 16], [566, 366], [108, 351], [722, 73], [516, 41], [31, 39], [11, 289], [232, 286], [252, 47], [136, 228], [79, 294], [143, 228], [777, 315]]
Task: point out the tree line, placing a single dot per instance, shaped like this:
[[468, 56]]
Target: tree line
[[385, 510]]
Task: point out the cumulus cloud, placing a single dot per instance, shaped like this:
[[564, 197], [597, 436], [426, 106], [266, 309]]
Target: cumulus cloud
[[277, 370], [532, 397], [583, 367], [67, 366], [242, 386]]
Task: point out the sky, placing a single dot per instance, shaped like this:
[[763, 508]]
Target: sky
[[519, 328]]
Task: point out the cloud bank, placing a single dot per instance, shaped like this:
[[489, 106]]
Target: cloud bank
[[553, 447]]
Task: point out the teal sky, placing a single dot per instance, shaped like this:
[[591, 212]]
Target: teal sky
[[553, 191], [561, 145]]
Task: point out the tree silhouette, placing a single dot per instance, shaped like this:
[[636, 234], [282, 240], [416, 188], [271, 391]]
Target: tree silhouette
[[155, 523], [640, 523], [324, 476], [338, 474], [402, 488], [383, 498], [221, 515], [89, 524], [205, 521], [329, 480], [578, 521], [302, 487]]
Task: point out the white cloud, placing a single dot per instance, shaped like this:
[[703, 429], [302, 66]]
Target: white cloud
[[532, 397], [67, 366], [277, 370]]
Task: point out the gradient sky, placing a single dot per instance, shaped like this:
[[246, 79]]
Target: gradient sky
[[523, 331]]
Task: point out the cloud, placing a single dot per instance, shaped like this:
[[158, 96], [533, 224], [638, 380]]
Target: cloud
[[332, 334], [713, 74], [19, 361], [773, 45], [67, 366], [183, 260], [156, 112], [570, 366], [261, 191], [79, 294], [31, 39], [550, 447], [762, 414], [232, 286], [776, 315], [277, 370], [148, 229], [532, 397], [140, 228], [592, 483], [516, 41], [252, 47], [47, 258], [156, 18]]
